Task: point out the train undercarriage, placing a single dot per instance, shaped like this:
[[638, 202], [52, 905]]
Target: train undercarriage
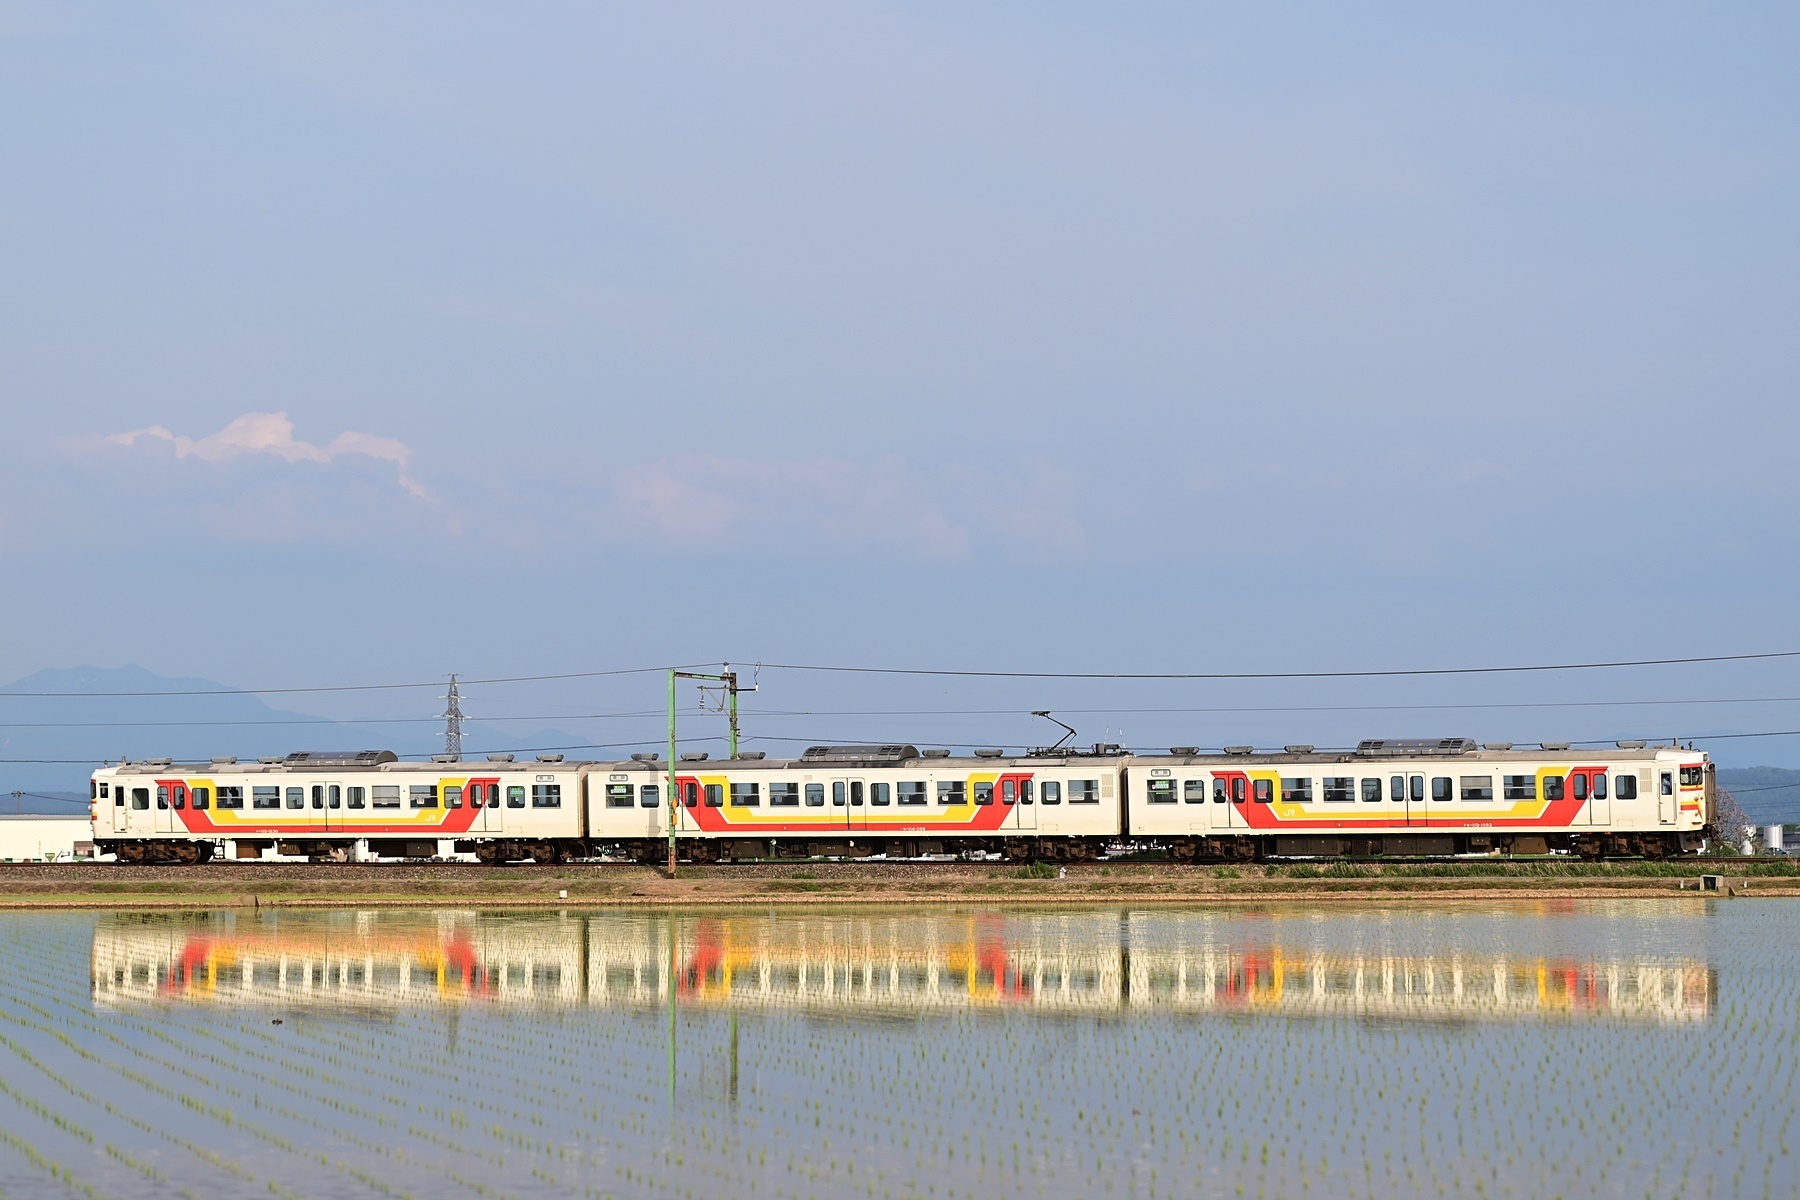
[[1590, 847]]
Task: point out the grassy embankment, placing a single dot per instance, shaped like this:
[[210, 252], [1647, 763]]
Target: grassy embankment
[[91, 886]]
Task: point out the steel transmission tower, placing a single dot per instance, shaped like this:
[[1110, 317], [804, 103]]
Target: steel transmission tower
[[453, 719]]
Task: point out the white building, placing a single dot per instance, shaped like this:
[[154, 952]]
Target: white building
[[31, 838]]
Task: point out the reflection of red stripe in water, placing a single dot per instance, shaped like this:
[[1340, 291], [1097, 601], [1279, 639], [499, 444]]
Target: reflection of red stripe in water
[[194, 953]]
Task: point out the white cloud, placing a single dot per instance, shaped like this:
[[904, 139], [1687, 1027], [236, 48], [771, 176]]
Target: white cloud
[[273, 433]]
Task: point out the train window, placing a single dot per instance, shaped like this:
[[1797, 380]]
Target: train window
[[1518, 787], [984, 793], [1264, 791], [475, 795], [1440, 787], [140, 798], [546, 795], [1416, 785], [162, 795], [1668, 783], [1477, 787], [715, 795], [1396, 788], [618, 795], [1580, 786], [1300, 791], [746, 795], [784, 795], [1009, 790], [1371, 791], [1600, 787], [1161, 791], [1024, 791], [453, 796], [334, 796], [354, 797], [1219, 791], [1693, 777], [515, 795], [385, 795], [422, 795], [856, 795], [1052, 792], [909, 793], [1626, 786], [231, 797], [1084, 791], [179, 795], [815, 795], [1553, 787], [202, 798], [296, 797], [952, 791], [650, 796], [318, 795], [93, 789], [118, 793], [1193, 791], [837, 793]]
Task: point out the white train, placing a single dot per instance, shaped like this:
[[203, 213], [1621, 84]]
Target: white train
[[1432, 797]]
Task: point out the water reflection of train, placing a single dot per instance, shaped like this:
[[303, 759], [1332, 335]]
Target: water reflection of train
[[1098, 963]]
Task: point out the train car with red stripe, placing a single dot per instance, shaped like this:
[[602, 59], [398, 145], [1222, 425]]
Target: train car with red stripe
[[1435, 796], [856, 801], [325, 806]]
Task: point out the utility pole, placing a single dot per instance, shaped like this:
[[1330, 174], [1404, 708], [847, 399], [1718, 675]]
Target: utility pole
[[453, 719], [729, 682]]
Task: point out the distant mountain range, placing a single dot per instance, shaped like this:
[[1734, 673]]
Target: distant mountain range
[[50, 743]]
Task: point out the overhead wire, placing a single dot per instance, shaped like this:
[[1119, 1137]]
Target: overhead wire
[[940, 672], [1366, 674]]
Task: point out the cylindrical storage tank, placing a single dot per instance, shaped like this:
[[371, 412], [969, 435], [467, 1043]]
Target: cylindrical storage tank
[[1772, 840]]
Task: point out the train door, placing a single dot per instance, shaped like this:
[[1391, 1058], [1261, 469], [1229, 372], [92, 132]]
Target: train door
[[687, 800], [1230, 793], [1415, 797], [1589, 785], [169, 793], [853, 796], [1665, 798], [1016, 794]]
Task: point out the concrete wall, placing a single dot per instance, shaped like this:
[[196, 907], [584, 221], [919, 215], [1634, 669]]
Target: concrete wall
[[32, 838]]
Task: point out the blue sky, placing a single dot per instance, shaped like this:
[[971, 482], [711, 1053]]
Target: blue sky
[[1149, 337]]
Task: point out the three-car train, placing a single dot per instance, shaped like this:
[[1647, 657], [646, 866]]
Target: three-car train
[[1434, 796]]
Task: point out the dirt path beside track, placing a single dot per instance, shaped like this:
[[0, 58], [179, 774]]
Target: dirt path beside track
[[67, 885]]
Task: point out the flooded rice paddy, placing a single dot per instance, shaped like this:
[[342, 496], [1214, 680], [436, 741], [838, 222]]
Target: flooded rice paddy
[[1573, 1049]]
